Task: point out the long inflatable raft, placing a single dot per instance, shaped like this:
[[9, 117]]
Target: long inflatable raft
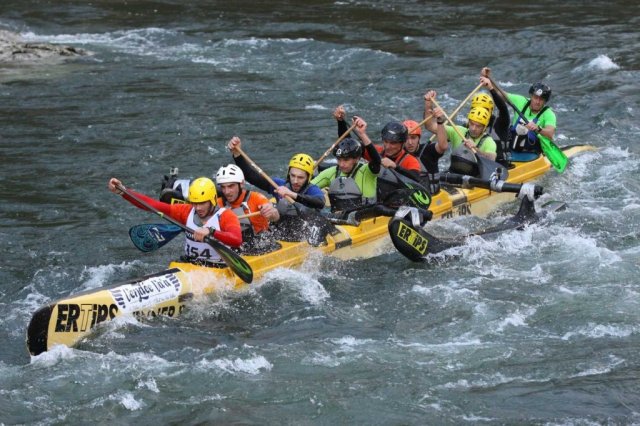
[[69, 320]]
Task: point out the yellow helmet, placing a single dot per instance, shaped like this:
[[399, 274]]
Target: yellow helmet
[[201, 190], [302, 162], [482, 100], [479, 115]]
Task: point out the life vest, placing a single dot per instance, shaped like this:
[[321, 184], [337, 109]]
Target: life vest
[[432, 180], [245, 223], [528, 142], [463, 160], [287, 209], [344, 192], [199, 251]]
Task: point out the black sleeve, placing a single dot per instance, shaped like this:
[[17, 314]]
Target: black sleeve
[[374, 158], [252, 176], [501, 125], [309, 201], [411, 174], [342, 127]]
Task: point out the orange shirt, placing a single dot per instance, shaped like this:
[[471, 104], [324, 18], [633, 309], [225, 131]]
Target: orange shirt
[[409, 162], [259, 223]]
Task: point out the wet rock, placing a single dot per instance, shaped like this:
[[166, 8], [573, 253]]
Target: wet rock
[[14, 50]]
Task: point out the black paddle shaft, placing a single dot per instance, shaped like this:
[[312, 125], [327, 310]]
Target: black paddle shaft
[[493, 185]]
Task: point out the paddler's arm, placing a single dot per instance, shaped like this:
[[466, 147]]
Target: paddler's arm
[[442, 142], [158, 205], [374, 157], [230, 232], [430, 124], [251, 175], [339, 114], [502, 121]]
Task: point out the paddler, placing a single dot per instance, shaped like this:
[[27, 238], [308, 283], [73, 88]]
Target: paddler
[[393, 156], [235, 197], [475, 137], [202, 214], [308, 198], [352, 184], [541, 120], [428, 153]]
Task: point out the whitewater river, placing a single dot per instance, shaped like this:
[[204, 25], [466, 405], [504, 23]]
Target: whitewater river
[[535, 327]]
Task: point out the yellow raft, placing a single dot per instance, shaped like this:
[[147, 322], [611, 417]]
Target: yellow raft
[[69, 320]]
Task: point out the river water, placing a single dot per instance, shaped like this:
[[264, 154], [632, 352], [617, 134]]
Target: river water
[[535, 327]]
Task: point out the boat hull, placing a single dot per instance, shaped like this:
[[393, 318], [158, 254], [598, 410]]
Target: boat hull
[[69, 320]]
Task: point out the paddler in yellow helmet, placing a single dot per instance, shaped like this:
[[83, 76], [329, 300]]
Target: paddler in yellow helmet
[[202, 214]]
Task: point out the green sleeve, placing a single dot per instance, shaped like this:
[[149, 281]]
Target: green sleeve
[[489, 146], [454, 139], [324, 178], [548, 118], [369, 182]]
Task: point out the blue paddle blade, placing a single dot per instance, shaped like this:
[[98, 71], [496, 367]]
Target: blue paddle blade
[[151, 236]]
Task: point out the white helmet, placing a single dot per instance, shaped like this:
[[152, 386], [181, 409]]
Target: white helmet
[[229, 174]]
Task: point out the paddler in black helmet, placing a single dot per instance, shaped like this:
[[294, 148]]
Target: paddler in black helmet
[[352, 184]]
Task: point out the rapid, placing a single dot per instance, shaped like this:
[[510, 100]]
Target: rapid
[[539, 326]]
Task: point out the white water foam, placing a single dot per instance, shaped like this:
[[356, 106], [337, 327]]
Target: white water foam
[[307, 287], [127, 400], [597, 331], [252, 366], [599, 63], [99, 276]]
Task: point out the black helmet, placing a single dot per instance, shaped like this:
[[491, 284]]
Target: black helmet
[[348, 148], [394, 132], [540, 89]]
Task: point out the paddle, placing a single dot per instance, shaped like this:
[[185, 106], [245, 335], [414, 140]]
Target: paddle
[[150, 237], [409, 238], [457, 110], [486, 166], [233, 260], [415, 243], [554, 154], [328, 151]]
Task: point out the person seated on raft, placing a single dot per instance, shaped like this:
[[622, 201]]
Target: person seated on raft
[[524, 142], [256, 235], [294, 223], [202, 214], [428, 153], [352, 184], [476, 141], [393, 156], [399, 180]]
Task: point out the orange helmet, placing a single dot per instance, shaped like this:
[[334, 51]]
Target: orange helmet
[[410, 125]]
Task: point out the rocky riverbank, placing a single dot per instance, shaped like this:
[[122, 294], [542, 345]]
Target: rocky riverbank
[[14, 50]]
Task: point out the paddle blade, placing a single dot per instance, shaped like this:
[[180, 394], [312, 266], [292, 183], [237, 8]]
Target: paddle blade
[[150, 237], [410, 242], [554, 154], [234, 261]]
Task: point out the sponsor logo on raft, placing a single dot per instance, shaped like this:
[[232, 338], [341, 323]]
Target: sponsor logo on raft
[[169, 311], [461, 210], [74, 318], [152, 291]]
